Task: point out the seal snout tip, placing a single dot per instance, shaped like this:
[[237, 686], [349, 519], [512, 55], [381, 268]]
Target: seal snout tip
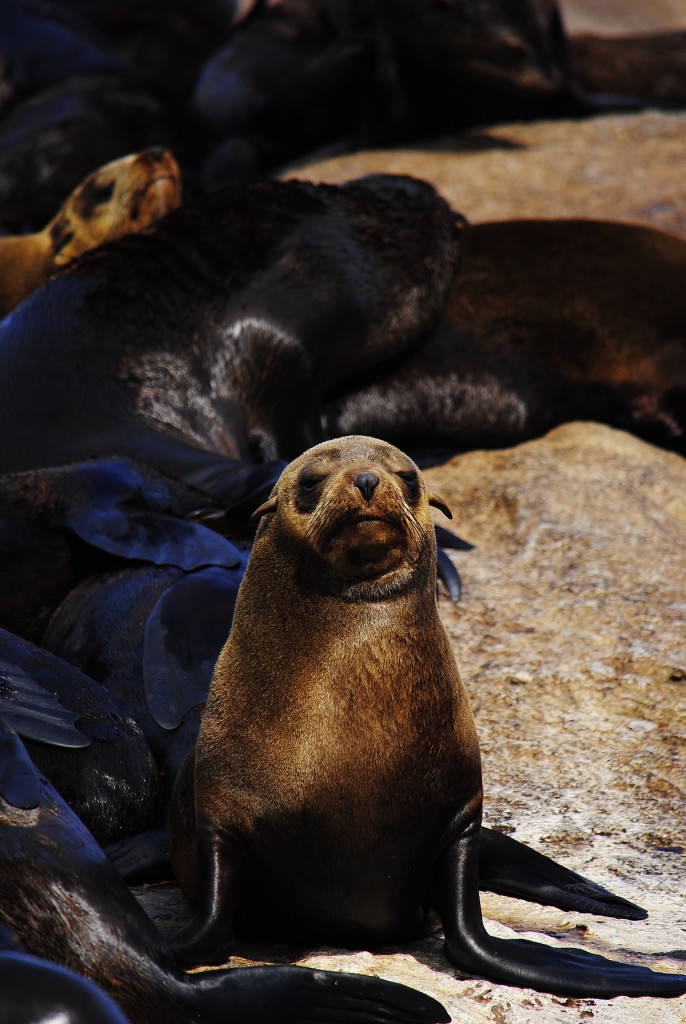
[[367, 482]]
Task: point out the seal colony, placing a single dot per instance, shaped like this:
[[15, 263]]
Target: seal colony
[[125, 195], [335, 791]]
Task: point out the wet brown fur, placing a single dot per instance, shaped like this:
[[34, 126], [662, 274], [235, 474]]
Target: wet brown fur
[[123, 196]]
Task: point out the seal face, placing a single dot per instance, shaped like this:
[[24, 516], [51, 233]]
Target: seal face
[[335, 793], [358, 512], [123, 196]]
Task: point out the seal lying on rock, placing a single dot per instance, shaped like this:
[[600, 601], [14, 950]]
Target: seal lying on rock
[[549, 321], [212, 336], [335, 791]]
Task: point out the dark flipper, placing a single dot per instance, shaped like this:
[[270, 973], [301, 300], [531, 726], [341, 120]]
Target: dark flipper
[[448, 539], [20, 783], [36, 711], [510, 868], [560, 970], [281, 994], [184, 634], [117, 510], [449, 576]]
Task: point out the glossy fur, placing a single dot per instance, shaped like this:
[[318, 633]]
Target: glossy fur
[[211, 337]]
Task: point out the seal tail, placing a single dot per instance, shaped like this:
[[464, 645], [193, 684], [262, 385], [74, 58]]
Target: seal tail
[[300, 994]]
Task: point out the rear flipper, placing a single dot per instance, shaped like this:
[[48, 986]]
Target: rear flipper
[[559, 970], [290, 994], [509, 868]]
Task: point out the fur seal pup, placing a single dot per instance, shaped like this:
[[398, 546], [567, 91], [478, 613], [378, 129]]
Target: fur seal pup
[[125, 195], [61, 899], [212, 336], [548, 321], [335, 790]]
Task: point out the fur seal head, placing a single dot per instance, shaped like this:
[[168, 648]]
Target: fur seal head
[[354, 515], [123, 196]]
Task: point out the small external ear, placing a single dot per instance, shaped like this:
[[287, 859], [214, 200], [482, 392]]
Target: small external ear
[[268, 506], [437, 502]]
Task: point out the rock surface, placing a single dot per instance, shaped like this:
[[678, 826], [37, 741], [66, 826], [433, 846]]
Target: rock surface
[[623, 17], [572, 644], [617, 167]]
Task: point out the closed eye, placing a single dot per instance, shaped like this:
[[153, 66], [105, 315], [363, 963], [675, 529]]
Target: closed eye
[[408, 475], [310, 481], [102, 193]]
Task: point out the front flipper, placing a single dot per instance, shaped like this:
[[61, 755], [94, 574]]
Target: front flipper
[[559, 970], [510, 868], [20, 783], [208, 937], [183, 636], [282, 994]]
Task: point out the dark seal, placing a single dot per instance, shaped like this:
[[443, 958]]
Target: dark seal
[[211, 337], [549, 321]]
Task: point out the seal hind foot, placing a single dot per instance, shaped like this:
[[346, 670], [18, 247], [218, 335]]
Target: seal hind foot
[[510, 868], [563, 971]]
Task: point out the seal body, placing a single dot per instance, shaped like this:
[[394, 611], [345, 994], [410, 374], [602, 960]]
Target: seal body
[[125, 195], [548, 321], [335, 791], [352, 569]]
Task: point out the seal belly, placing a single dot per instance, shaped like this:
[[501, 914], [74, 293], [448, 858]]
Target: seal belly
[[308, 886]]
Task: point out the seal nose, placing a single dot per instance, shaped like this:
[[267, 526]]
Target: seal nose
[[366, 482], [157, 153]]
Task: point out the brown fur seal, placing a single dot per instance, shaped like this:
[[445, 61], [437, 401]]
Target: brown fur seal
[[335, 793], [548, 321], [125, 195], [61, 899]]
